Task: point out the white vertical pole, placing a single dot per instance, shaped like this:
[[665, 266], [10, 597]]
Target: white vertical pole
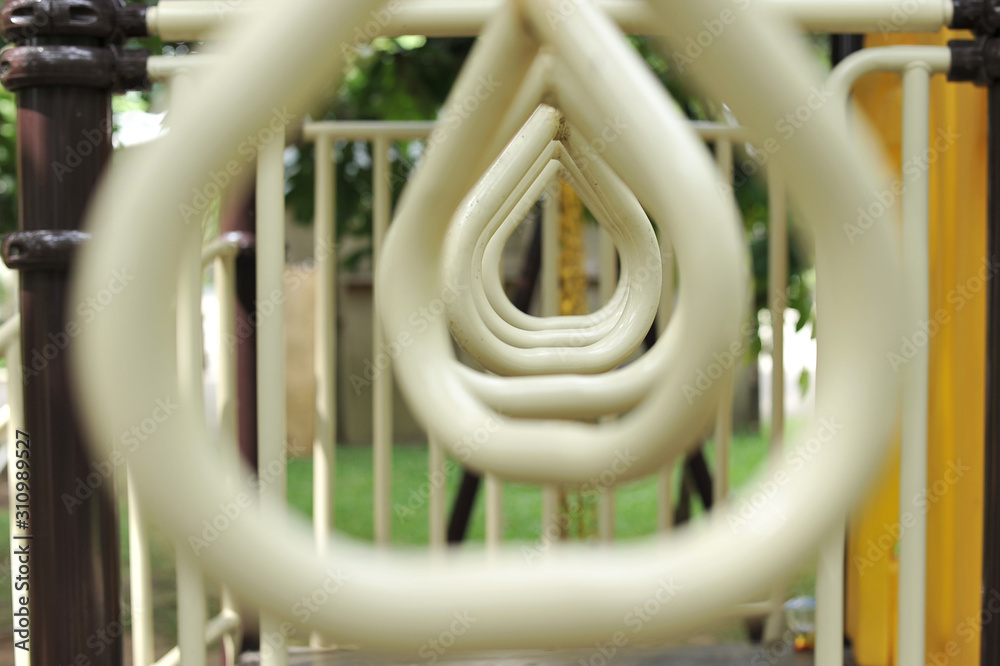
[[271, 424], [382, 384], [325, 350], [777, 281], [225, 402], [140, 580], [494, 513], [724, 418], [829, 650], [438, 479], [191, 604], [913, 459], [192, 614], [550, 308], [830, 599]]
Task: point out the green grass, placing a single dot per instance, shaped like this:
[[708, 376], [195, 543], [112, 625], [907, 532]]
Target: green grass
[[635, 509], [635, 501]]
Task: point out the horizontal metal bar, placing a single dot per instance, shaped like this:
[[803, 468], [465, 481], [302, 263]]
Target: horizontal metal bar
[[226, 245], [369, 129], [401, 130], [193, 20], [220, 625], [164, 68]]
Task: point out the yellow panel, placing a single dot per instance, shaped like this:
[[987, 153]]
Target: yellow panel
[[957, 383]]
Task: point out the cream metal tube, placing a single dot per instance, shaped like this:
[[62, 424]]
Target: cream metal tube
[[193, 20], [559, 602]]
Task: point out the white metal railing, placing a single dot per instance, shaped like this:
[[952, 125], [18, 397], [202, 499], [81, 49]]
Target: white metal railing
[[916, 65], [380, 136], [191, 20], [265, 541]]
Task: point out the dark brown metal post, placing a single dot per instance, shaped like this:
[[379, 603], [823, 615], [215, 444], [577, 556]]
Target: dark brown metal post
[[978, 61], [64, 68], [239, 215]]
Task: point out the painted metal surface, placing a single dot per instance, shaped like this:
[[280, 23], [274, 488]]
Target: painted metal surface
[[514, 603]]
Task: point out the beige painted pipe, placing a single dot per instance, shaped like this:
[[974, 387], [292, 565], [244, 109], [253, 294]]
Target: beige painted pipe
[[272, 452], [382, 383], [325, 347], [777, 286], [562, 601], [193, 20], [916, 64]]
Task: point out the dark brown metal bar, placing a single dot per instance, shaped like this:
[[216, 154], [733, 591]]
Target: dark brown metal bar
[[990, 646], [239, 215], [978, 61], [64, 68]]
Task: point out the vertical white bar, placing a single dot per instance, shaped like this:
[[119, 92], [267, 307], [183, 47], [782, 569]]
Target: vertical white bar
[[723, 440], [438, 479], [494, 513], [665, 490], [829, 650], [913, 455], [271, 426], [830, 599], [777, 284], [15, 398], [382, 384], [607, 281], [550, 308], [140, 581], [191, 603], [724, 418], [325, 351], [225, 400], [191, 610]]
